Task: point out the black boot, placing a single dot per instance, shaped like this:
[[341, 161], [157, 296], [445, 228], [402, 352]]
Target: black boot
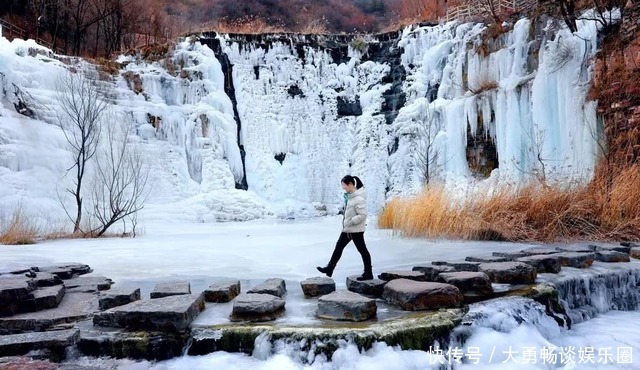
[[367, 275], [326, 270]]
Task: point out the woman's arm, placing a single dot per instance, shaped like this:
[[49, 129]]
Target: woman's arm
[[361, 213]]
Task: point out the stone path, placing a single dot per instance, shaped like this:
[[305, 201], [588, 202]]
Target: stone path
[[54, 307]]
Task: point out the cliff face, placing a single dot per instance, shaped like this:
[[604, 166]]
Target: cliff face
[[616, 86]]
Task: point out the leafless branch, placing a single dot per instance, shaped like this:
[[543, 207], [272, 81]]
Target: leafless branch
[[82, 109]]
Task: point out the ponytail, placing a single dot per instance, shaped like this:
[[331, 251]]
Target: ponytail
[[355, 180]]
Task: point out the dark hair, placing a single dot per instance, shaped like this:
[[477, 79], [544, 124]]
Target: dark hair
[[355, 180]]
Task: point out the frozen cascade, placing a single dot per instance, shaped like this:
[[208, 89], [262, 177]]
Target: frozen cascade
[[600, 289], [314, 108], [529, 108]]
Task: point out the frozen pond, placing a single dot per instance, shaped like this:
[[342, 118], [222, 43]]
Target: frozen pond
[[254, 251], [251, 252]]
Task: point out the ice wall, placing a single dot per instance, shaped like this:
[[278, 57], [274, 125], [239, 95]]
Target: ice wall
[[309, 119], [523, 90], [314, 108]]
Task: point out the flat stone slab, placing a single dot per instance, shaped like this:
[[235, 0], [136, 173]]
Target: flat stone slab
[[370, 288], [118, 297], [21, 344], [472, 284], [547, 263], [73, 307], [65, 270], [171, 288], [539, 251], [612, 256], [346, 306], [635, 252], [274, 286], [88, 284], [413, 295], [171, 314], [16, 295], [617, 248], [459, 265], [577, 260], [509, 272], [49, 297], [399, 274], [222, 292], [432, 271], [317, 286], [485, 259], [14, 288], [576, 248], [45, 279], [257, 307], [510, 256]]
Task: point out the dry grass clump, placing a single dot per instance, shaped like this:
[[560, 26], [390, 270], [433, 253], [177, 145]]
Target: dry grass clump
[[18, 229], [605, 209]]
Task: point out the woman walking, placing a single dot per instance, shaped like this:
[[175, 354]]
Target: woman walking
[[353, 227]]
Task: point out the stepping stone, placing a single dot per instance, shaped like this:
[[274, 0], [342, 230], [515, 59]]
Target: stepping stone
[[432, 271], [533, 251], [65, 270], [411, 275], [459, 265], [118, 297], [472, 284], [317, 286], [510, 256], [617, 248], [577, 248], [44, 279], [510, 272], [49, 297], [171, 314], [275, 287], [20, 271], [370, 288], [543, 263], [630, 244], [485, 259], [612, 256], [577, 260], [88, 284], [222, 292], [257, 307], [16, 295], [14, 289], [73, 307], [55, 341], [346, 306], [413, 295], [170, 288], [635, 252]]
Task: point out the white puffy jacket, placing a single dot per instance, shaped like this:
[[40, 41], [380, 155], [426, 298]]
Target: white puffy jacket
[[355, 212]]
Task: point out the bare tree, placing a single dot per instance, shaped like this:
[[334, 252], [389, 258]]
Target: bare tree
[[82, 111], [121, 182], [428, 154]]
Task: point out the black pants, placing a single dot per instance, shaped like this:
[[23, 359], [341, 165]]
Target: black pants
[[358, 240]]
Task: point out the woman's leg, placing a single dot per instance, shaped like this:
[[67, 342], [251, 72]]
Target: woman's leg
[[342, 242], [358, 240]]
